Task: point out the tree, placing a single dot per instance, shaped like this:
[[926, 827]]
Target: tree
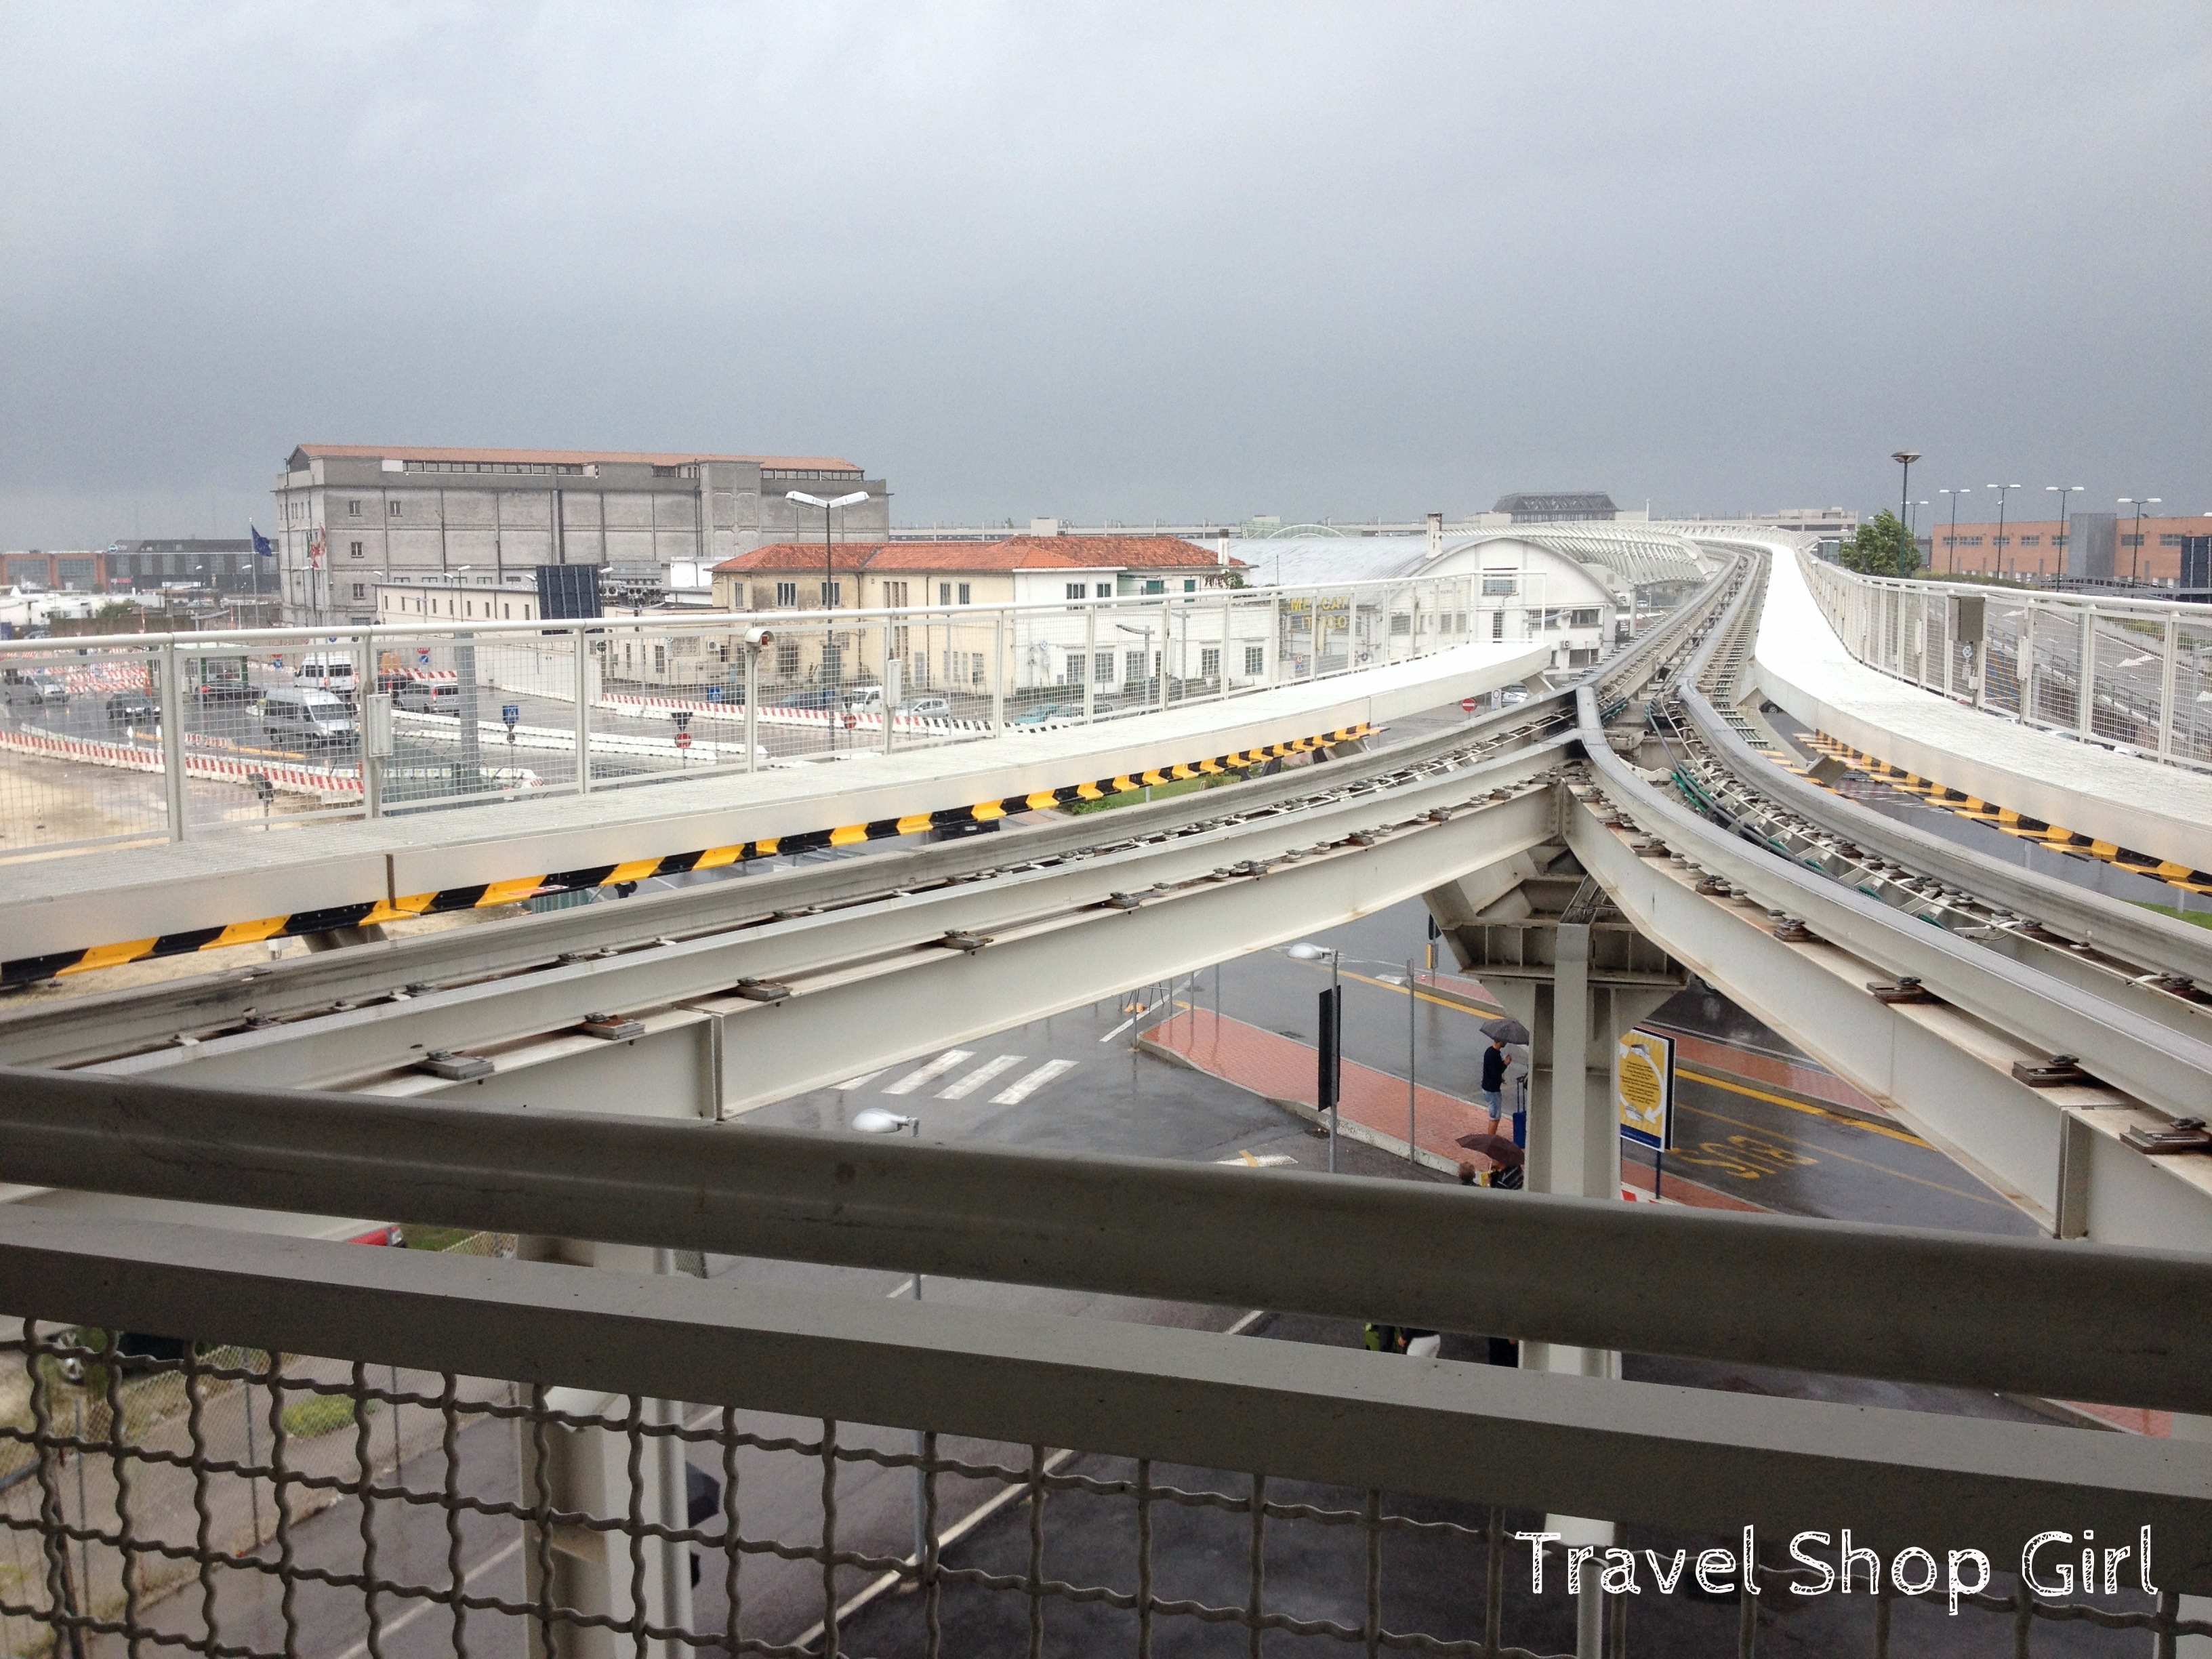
[[1881, 547]]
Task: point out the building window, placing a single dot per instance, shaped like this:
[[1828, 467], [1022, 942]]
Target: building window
[[963, 593], [895, 595], [392, 509], [944, 593], [2126, 541], [360, 591], [353, 509], [1072, 673], [2169, 541], [976, 668], [1584, 618], [1157, 586], [1401, 623], [1104, 667], [787, 593], [786, 659], [1132, 667], [1190, 584], [659, 661], [1255, 659], [1105, 591], [353, 551], [1497, 584], [507, 612], [829, 593], [1209, 662], [1077, 590]]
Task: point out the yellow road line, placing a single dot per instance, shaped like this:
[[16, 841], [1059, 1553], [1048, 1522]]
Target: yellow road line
[[1905, 1135], [1868, 1164]]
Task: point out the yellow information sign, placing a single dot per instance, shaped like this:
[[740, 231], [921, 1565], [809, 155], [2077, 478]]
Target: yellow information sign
[[1643, 1089]]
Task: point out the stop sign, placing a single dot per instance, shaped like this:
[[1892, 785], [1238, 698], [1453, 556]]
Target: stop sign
[[683, 739]]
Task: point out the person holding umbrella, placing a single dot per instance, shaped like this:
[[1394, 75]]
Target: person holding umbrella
[[1507, 1160]]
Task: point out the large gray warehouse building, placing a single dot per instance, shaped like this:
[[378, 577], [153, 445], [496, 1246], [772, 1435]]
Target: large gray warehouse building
[[352, 514]]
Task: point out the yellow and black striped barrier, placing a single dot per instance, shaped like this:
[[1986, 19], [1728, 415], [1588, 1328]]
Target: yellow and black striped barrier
[[483, 895], [2014, 823]]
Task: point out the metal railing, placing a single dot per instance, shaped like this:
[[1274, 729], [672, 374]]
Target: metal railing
[[138, 736], [2133, 674], [520, 1456]]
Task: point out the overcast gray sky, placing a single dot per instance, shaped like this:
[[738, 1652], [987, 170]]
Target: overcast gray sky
[[1136, 261]]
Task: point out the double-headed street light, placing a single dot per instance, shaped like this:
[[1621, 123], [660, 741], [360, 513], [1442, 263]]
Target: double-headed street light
[[2139, 503], [2063, 491], [2004, 492], [1953, 494], [829, 586], [1905, 458]]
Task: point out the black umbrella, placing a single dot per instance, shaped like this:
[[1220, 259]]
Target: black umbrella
[[1505, 1029]]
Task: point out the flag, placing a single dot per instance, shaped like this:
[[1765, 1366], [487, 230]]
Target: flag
[[262, 545]]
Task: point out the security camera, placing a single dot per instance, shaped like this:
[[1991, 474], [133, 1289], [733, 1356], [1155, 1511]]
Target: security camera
[[759, 639]]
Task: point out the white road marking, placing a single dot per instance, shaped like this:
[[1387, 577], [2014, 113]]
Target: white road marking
[[1023, 1087], [976, 1079], [936, 1068], [393, 1627], [1263, 1161], [864, 1079]]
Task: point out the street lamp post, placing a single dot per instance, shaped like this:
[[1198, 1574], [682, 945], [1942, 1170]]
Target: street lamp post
[[829, 579], [2139, 503], [2004, 492], [1905, 458], [2063, 491], [1953, 494]]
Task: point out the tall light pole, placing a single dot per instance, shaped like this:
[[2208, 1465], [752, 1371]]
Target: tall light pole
[[829, 580], [1905, 458], [1912, 533], [2003, 491], [2064, 491], [2139, 503], [1953, 494]]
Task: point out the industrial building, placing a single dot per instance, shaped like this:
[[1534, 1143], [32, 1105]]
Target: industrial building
[[351, 515], [2092, 546]]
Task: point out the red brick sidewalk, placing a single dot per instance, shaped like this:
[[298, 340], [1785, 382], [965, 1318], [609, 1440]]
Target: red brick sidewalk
[[1374, 1104]]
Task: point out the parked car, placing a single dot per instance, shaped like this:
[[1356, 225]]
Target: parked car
[[309, 718], [132, 707], [33, 685], [429, 698], [1045, 714], [926, 708], [227, 687]]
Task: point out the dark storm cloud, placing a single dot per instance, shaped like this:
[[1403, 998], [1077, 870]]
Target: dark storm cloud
[[1134, 262]]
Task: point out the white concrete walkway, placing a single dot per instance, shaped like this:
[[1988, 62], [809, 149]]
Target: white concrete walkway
[[2140, 805]]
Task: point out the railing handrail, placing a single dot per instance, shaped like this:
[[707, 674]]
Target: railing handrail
[[1904, 1304], [2056, 596], [705, 619]]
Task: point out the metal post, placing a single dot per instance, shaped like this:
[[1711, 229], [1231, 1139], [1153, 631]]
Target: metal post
[[1228, 629], [1090, 660], [2085, 673], [582, 647], [1413, 1062], [1167, 626], [890, 687], [998, 675], [172, 738], [752, 706], [2026, 666], [2166, 684], [464, 665]]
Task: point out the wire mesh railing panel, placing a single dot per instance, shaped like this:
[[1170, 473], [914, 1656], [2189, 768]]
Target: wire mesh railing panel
[[2130, 666], [167, 1496], [80, 754]]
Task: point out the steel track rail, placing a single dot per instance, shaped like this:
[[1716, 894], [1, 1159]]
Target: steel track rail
[[2155, 943], [2165, 1068]]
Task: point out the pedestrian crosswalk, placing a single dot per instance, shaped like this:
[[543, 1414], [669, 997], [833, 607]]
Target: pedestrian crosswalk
[[967, 1082]]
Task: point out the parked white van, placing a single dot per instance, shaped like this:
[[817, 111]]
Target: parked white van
[[327, 670], [309, 718], [429, 698]]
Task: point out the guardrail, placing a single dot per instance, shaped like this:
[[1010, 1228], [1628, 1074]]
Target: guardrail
[[529, 1453], [2133, 674], [138, 737]]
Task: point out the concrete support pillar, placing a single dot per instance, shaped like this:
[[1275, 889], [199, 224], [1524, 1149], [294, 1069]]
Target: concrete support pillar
[[588, 1470]]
